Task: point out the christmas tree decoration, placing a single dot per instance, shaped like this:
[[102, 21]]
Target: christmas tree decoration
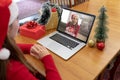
[[91, 43], [100, 45], [101, 29]]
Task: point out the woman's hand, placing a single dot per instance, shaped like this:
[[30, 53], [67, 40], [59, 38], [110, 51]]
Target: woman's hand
[[39, 51]]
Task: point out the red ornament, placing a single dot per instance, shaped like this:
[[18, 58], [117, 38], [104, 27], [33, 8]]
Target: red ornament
[[100, 45], [54, 9]]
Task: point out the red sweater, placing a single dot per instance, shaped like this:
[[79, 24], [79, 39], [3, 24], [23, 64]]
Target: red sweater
[[17, 71], [74, 27]]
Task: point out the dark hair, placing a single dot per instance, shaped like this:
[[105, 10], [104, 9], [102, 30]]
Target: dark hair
[[16, 54]]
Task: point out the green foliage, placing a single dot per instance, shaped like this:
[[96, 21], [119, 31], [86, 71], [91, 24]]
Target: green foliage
[[101, 29]]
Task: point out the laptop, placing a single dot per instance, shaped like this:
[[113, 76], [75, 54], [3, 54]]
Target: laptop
[[72, 33]]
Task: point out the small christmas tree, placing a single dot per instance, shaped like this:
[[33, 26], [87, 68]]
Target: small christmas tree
[[101, 29]]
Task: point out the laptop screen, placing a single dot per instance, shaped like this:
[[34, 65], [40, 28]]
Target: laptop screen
[[76, 24]]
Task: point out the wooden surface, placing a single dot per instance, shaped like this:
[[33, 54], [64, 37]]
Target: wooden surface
[[88, 63]]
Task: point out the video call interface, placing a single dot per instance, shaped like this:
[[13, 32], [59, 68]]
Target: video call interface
[[76, 24]]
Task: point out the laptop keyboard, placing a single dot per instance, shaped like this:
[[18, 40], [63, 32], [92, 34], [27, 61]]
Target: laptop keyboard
[[64, 41]]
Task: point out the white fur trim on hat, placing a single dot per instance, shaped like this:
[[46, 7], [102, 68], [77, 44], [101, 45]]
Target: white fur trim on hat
[[13, 12], [4, 54]]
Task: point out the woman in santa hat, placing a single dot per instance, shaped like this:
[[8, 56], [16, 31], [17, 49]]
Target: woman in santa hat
[[13, 65], [72, 26]]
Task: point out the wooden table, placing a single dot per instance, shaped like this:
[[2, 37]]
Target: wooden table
[[88, 63]]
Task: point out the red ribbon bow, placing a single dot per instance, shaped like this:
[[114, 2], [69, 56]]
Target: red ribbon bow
[[31, 24]]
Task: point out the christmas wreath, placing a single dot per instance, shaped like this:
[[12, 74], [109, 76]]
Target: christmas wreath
[[46, 12]]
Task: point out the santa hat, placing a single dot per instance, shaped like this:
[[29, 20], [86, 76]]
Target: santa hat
[[74, 15], [8, 13]]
